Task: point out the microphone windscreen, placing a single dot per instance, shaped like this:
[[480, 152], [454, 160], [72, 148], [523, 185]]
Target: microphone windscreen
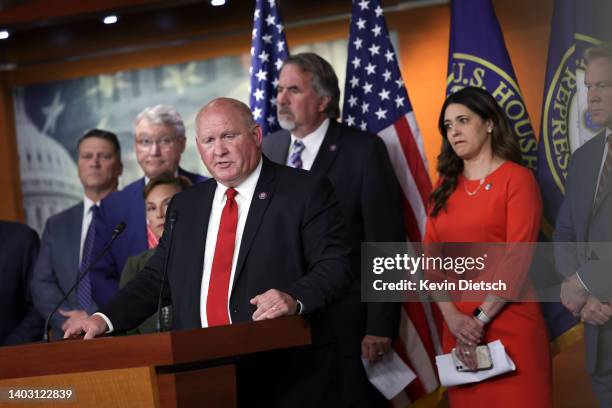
[[119, 228]]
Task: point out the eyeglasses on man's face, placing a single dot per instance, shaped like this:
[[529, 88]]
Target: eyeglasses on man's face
[[146, 143]]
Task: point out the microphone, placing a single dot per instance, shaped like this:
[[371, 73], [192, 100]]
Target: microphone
[[171, 221], [116, 232]]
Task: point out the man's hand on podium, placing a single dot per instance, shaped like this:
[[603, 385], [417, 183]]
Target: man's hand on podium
[[92, 326], [272, 304], [72, 317]]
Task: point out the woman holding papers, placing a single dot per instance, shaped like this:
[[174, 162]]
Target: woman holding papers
[[484, 195]]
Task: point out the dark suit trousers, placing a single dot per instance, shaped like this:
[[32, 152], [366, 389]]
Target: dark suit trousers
[[300, 377], [601, 377], [313, 376]]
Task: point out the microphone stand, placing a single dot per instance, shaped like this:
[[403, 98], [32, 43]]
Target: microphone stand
[[116, 232]]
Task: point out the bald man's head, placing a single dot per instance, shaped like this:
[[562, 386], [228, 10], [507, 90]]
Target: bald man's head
[[241, 111], [229, 140]]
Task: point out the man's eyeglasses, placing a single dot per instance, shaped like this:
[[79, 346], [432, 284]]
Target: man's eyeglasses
[[146, 143]]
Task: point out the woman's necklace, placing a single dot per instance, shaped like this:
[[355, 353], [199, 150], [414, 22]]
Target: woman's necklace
[[482, 181]]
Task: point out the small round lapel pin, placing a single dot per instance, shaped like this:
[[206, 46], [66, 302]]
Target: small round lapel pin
[[488, 186], [333, 148], [263, 195]]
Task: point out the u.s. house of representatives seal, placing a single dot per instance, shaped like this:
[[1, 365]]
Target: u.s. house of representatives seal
[[566, 121], [470, 70]]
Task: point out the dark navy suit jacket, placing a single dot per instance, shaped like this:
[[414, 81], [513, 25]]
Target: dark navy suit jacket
[[126, 206], [19, 321], [359, 168]]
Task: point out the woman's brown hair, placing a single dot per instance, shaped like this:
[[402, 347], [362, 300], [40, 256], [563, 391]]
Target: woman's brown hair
[[503, 141]]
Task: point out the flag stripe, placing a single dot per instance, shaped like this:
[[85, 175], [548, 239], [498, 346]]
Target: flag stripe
[[416, 313], [406, 178], [414, 158], [411, 226], [376, 100]]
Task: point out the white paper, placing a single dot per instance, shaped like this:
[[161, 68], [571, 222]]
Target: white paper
[[389, 374], [449, 376]]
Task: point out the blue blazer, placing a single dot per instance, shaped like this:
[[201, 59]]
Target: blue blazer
[[57, 266], [126, 206]]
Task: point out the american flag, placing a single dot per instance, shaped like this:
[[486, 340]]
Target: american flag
[[376, 100], [268, 51]]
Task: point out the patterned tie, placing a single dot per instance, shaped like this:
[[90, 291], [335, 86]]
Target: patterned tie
[[603, 185], [218, 287], [84, 289], [296, 156]]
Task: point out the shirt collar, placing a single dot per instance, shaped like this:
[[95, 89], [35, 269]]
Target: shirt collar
[[247, 187], [313, 141], [87, 204]]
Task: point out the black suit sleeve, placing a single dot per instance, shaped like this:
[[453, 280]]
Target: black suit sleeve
[[325, 249], [383, 222], [31, 326]]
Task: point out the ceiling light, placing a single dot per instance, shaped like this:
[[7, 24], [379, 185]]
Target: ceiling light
[[110, 19], [4, 34], [217, 2]]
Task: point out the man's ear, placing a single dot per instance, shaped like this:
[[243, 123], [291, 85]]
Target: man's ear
[[183, 141], [324, 103], [258, 135]]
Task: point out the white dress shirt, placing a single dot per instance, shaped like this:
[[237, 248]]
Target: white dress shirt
[[245, 190], [312, 143]]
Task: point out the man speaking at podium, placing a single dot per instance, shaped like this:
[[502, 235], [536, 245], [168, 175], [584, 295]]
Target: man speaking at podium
[[259, 241]]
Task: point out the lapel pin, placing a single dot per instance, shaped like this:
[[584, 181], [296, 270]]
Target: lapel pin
[[333, 148], [263, 195], [488, 186]]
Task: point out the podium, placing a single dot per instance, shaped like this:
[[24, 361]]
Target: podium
[[186, 368]]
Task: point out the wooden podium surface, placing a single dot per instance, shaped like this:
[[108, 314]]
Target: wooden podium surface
[[172, 369]]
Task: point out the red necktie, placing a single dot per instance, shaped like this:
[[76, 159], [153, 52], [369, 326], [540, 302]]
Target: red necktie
[[221, 271]]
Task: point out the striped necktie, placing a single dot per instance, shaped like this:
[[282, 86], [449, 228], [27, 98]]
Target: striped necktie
[[296, 155], [84, 294]]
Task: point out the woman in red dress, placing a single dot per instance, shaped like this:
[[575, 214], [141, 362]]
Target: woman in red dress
[[485, 195]]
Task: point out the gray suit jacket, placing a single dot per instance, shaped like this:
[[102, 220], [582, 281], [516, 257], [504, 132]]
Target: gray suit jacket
[[589, 232], [57, 266]]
